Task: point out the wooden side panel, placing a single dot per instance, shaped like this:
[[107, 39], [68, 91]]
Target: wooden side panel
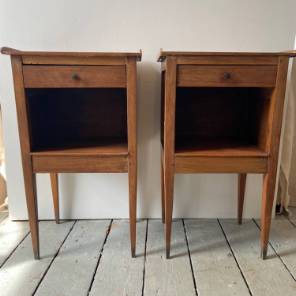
[[74, 76], [203, 164], [76, 164], [226, 76]]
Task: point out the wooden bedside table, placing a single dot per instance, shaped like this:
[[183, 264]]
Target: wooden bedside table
[[222, 113], [76, 113]]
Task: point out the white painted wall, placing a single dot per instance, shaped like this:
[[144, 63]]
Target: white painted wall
[[110, 25]]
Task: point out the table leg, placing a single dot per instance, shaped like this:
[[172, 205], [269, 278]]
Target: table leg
[[241, 196], [55, 195]]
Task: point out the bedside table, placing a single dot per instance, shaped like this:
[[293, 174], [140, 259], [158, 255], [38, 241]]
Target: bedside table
[[76, 114], [222, 113]]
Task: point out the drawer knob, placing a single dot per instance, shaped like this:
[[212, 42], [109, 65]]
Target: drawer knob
[[75, 76], [226, 75]]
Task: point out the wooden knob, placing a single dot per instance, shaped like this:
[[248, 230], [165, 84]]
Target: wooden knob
[[226, 75], [75, 76]]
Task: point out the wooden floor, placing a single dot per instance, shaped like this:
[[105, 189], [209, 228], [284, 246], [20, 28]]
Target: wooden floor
[[92, 257]]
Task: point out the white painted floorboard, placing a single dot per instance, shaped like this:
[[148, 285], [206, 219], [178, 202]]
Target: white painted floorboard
[[264, 277], [21, 273], [283, 240], [3, 216], [72, 263], [167, 277], [72, 271], [118, 274], [11, 234], [214, 266], [292, 216]]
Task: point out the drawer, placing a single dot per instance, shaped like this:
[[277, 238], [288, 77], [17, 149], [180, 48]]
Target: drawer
[[226, 76], [74, 76]]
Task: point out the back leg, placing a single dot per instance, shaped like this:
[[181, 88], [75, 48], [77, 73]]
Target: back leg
[[241, 196], [55, 195]]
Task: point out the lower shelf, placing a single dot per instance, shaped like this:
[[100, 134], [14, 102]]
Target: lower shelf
[[219, 157], [219, 149], [103, 149]]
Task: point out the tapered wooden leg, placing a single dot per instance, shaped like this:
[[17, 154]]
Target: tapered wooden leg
[[168, 196], [55, 195], [132, 176], [29, 176], [169, 146], [31, 197], [266, 211], [241, 196], [131, 71], [162, 191]]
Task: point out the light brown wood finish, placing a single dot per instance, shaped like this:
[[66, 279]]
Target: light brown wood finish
[[162, 189], [184, 54], [226, 76], [131, 71], [74, 76], [82, 164], [54, 179], [198, 146], [220, 151], [113, 143], [52, 54], [29, 176], [241, 196], [169, 146], [105, 149], [275, 125], [211, 164], [73, 60], [227, 60]]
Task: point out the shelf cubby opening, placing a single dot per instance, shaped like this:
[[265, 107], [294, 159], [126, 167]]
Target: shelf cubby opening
[[76, 118], [222, 120]]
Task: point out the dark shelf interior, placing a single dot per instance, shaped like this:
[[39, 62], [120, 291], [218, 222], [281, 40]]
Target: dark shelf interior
[[67, 118], [219, 119]]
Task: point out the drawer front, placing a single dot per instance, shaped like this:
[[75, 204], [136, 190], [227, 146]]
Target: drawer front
[[227, 76], [74, 76]]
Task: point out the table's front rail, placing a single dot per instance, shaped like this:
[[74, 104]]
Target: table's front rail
[[81, 163]]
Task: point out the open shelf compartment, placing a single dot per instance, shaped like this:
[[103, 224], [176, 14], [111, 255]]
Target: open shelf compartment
[[220, 121], [76, 120]]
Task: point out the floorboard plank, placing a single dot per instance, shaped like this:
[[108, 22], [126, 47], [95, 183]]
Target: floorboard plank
[[72, 270], [214, 266], [282, 239], [264, 277], [11, 234], [292, 216], [21, 273], [118, 273], [3, 216], [167, 277]]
